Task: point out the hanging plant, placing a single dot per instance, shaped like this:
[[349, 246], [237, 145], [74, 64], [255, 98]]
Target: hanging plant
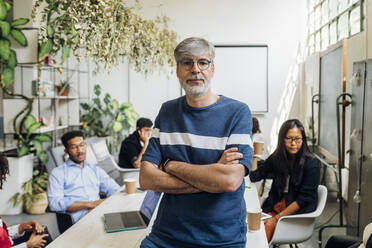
[[108, 30]]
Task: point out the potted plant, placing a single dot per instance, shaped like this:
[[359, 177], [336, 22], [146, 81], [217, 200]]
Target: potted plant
[[27, 142], [34, 194], [63, 88], [108, 118]]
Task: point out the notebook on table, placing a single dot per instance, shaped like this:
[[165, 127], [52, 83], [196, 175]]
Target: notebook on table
[[131, 220]]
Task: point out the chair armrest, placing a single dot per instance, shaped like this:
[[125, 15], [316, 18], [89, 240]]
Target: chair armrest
[[64, 221], [298, 216], [122, 169]]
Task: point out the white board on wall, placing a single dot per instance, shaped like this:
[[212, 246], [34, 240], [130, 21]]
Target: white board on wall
[[241, 73]]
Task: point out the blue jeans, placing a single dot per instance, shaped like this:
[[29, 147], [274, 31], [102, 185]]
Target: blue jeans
[[146, 243]]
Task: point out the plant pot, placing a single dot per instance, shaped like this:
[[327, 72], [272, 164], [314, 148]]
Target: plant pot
[[64, 92], [39, 206], [20, 170]]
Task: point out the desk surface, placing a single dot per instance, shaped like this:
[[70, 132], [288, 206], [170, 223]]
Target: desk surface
[[89, 231]]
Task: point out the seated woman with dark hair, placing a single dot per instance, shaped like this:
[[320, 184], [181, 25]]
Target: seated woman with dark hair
[[7, 234], [295, 173]]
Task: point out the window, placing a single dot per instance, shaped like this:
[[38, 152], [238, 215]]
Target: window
[[342, 26], [355, 21], [332, 20], [325, 38]]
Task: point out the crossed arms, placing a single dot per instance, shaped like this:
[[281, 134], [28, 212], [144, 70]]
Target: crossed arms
[[182, 178]]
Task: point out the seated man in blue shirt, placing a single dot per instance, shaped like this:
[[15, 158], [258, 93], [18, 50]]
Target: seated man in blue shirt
[[75, 185], [135, 145]]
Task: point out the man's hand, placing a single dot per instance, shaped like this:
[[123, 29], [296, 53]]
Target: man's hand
[[94, 204], [144, 136], [36, 241], [230, 156], [31, 225]]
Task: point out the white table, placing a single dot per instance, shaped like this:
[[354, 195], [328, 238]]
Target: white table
[[89, 231]]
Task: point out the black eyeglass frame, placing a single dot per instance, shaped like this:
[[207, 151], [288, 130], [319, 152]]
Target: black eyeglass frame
[[297, 140], [193, 62]]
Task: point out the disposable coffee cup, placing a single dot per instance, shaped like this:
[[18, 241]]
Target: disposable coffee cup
[[254, 221], [258, 148], [130, 185]]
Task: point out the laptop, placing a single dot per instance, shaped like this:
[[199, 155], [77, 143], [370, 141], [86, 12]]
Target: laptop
[[132, 220]]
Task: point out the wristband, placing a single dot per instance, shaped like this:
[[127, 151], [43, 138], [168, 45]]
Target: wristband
[[257, 156], [165, 164]]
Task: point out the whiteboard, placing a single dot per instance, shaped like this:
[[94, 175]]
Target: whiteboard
[[241, 73]]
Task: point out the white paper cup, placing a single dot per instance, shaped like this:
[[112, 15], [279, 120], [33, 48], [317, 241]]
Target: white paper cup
[[130, 185]]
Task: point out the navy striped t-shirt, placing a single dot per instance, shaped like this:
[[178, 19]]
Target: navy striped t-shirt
[[199, 136]]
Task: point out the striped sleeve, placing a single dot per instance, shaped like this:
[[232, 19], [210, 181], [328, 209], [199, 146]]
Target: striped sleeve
[[241, 136]]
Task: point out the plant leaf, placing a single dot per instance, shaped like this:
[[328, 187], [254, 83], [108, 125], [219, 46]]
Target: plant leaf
[[3, 10], [43, 157], [84, 105], [8, 6], [50, 31], [15, 199], [115, 104], [23, 151], [42, 138], [65, 53], [19, 36], [33, 128], [19, 22], [5, 28], [29, 121], [45, 49], [119, 117], [12, 61], [97, 89], [7, 77], [4, 49], [117, 126], [38, 147]]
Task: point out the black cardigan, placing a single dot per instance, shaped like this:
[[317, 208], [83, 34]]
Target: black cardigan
[[305, 194]]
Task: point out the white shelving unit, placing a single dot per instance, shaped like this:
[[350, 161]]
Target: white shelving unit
[[57, 112]]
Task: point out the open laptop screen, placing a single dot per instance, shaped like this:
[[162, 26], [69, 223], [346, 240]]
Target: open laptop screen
[[149, 205]]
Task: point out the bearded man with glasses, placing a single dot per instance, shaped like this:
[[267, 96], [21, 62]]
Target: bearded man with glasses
[[75, 185], [198, 155]]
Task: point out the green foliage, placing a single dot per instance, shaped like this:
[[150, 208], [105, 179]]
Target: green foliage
[[8, 57], [33, 142], [31, 188], [107, 30], [107, 118]]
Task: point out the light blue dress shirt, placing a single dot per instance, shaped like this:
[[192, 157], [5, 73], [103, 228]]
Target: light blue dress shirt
[[69, 183]]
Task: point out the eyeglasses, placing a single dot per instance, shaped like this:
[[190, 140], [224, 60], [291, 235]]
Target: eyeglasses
[[290, 140], [76, 146], [188, 64]]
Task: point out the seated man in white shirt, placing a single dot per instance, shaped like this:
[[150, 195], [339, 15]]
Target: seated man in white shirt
[[75, 185]]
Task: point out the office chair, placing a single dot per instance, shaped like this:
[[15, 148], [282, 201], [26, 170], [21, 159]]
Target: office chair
[[294, 229]]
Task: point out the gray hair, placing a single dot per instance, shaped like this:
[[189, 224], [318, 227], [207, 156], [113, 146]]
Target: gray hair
[[193, 47]]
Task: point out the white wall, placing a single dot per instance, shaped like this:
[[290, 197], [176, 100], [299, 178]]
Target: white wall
[[279, 24]]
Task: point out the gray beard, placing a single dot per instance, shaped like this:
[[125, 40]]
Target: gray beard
[[196, 91]]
